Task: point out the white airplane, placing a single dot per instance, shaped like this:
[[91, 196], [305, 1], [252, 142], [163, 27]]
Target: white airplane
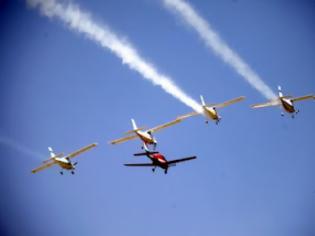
[[63, 161], [145, 135], [210, 110], [286, 102]]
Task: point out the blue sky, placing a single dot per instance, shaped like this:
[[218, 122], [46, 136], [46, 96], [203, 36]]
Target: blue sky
[[254, 173]]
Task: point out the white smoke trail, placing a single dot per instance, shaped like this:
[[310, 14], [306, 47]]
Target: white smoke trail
[[20, 148], [214, 42], [82, 22]]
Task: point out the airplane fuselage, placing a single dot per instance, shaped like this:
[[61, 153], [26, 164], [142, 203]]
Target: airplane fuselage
[[158, 160], [64, 163], [211, 113], [287, 105], [146, 137]]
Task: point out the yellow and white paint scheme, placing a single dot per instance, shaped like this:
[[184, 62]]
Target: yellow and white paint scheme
[[210, 110], [145, 135], [63, 161], [285, 102]]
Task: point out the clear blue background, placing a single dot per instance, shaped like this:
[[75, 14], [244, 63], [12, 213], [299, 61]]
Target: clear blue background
[[255, 171]]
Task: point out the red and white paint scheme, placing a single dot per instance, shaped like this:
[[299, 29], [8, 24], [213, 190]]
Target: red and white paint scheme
[[145, 135], [210, 110], [63, 161], [285, 102], [158, 160]]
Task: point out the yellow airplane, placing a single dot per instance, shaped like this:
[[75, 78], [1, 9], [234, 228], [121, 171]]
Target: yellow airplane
[[210, 110], [145, 135], [286, 102], [63, 161]]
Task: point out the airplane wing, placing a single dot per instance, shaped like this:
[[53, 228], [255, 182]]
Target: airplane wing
[[44, 166], [275, 102], [124, 139], [227, 103], [134, 130], [194, 113], [181, 160], [50, 159], [80, 151], [168, 124], [302, 98], [140, 165]]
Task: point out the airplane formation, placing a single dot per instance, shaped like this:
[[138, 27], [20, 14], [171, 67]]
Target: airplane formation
[[209, 111]]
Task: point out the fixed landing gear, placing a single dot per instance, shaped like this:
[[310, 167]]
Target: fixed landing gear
[[72, 172], [154, 146], [61, 172], [217, 121], [296, 112], [207, 122], [165, 171], [153, 169], [282, 114]]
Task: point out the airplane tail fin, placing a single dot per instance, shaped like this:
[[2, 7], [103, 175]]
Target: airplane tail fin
[[280, 91], [134, 125], [51, 152], [202, 100]]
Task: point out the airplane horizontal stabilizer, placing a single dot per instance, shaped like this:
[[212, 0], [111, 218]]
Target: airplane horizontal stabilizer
[[144, 153], [140, 165], [50, 159]]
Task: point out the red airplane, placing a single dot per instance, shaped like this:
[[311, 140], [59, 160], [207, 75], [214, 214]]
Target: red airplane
[[158, 160]]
